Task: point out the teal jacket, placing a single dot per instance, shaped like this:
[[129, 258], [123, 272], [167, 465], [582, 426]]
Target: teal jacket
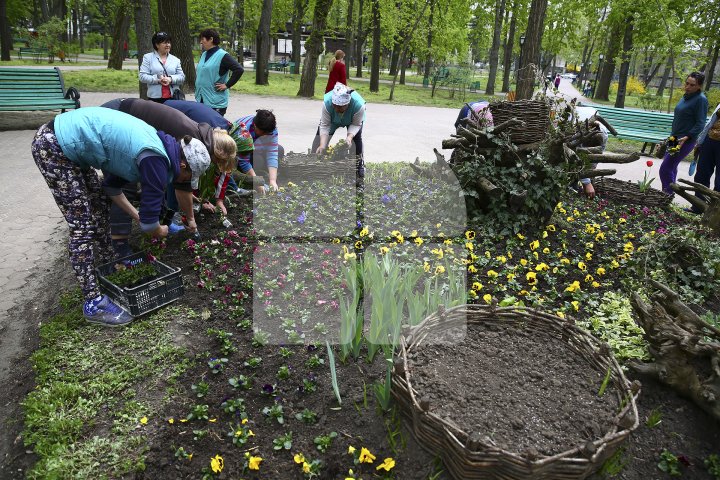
[[208, 74], [107, 140], [344, 120]]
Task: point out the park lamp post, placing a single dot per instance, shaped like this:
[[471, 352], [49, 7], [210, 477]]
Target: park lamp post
[[597, 73]]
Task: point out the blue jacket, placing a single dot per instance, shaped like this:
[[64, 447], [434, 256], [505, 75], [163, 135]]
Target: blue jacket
[[106, 139], [200, 113], [690, 116], [125, 149], [152, 66], [708, 125]]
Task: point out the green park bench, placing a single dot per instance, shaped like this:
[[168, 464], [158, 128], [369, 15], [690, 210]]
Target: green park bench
[[26, 89], [35, 53], [650, 128]]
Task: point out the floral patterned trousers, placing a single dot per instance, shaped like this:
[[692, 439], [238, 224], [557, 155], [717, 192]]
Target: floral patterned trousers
[[78, 193]]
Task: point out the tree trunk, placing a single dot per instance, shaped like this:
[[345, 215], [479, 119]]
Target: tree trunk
[[314, 46], [608, 66], [45, 11], [120, 35], [685, 348], [664, 79], [625, 65], [349, 38], [428, 58], [402, 71], [263, 44], [81, 30], [173, 19], [360, 41], [240, 28], [654, 69], [395, 55], [530, 52], [509, 45], [299, 7], [143, 28], [5, 35], [711, 67], [495, 47], [375, 65]]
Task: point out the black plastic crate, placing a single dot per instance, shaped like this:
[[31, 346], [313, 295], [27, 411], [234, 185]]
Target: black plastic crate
[[139, 300]]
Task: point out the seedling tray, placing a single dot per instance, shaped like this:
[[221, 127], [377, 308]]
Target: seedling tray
[[138, 300]]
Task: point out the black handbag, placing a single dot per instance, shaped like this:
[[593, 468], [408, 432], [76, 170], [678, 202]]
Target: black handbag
[[177, 94]]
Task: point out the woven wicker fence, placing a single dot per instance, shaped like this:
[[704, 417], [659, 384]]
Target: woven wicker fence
[[469, 458], [629, 192], [301, 166], [535, 114]]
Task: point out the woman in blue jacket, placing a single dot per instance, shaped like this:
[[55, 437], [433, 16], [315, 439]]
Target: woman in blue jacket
[[69, 149], [689, 120]]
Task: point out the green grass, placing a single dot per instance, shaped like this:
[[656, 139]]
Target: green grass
[[126, 81], [85, 409]]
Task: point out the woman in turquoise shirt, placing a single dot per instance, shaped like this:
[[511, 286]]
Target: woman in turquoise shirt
[[212, 85]]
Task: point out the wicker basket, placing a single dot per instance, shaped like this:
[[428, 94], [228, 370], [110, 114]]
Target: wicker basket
[[629, 192], [535, 114], [469, 458], [300, 166]]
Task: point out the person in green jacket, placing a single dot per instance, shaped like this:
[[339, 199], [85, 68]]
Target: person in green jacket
[[70, 148], [212, 84]]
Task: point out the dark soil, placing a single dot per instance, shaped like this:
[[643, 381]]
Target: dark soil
[[521, 388], [539, 379]]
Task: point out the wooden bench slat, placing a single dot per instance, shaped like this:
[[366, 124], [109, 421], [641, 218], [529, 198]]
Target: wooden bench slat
[[34, 89]]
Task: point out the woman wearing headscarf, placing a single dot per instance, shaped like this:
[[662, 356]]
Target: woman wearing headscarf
[[689, 120], [342, 108], [67, 151], [336, 67], [161, 70]]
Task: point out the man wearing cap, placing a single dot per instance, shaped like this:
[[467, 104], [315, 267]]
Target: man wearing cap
[[67, 151], [342, 107]]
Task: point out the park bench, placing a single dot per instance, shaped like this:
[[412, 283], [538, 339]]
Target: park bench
[[24, 89], [35, 53], [650, 128]]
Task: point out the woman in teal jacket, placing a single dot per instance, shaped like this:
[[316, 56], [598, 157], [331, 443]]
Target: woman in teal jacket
[[69, 149], [213, 82]]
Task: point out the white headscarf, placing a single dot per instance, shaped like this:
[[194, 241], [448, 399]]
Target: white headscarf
[[340, 95]]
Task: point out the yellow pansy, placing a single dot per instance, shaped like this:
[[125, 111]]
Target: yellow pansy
[[542, 267], [564, 261], [534, 244], [520, 236], [596, 285], [439, 269], [576, 305], [426, 267], [254, 462], [469, 246], [472, 269], [588, 256], [351, 450], [628, 247], [582, 266], [418, 241], [600, 271], [387, 465], [589, 278], [477, 286], [487, 297], [299, 458], [384, 250], [366, 456], [550, 228], [546, 250], [560, 314], [573, 287], [523, 262], [600, 236], [544, 234], [531, 278], [217, 464], [470, 234], [143, 421], [492, 273]]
